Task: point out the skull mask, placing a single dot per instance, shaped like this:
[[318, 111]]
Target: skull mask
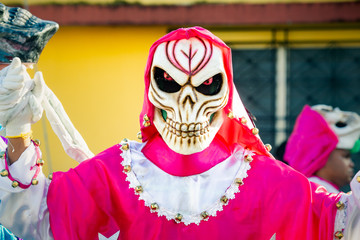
[[189, 89]]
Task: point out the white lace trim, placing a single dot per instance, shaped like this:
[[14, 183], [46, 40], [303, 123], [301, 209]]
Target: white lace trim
[[186, 218], [341, 215]]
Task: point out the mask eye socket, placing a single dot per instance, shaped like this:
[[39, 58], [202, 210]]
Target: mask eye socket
[[165, 82], [211, 86]]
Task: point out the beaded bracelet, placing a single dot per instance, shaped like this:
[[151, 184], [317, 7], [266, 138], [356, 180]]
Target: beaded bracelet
[[39, 162]]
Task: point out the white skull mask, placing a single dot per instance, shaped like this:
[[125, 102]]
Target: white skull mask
[[346, 125], [189, 89]]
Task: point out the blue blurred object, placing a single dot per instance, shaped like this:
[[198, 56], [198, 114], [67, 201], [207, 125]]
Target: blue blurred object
[[5, 234], [23, 35]]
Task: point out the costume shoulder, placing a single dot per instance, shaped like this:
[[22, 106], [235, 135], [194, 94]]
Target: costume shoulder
[[270, 170], [86, 193], [296, 193]]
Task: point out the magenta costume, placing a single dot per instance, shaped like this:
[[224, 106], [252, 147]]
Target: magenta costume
[[232, 189], [313, 133]]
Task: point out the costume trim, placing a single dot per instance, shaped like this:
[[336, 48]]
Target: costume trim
[[242, 155], [341, 216]]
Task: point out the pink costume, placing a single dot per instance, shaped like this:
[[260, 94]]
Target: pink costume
[[318, 131], [233, 189], [313, 133]]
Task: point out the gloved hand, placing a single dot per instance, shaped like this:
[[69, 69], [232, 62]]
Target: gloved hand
[[20, 99]]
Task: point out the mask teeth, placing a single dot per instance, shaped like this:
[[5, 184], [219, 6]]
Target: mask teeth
[[187, 130]]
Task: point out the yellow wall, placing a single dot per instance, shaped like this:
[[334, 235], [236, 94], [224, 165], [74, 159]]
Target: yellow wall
[[97, 73]]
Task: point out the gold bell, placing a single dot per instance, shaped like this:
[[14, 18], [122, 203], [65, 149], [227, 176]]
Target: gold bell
[[243, 120], [268, 147], [139, 135], [146, 123], [248, 158], [154, 206], [2, 154], [204, 215], [255, 131], [230, 115], [127, 168], [15, 184], [138, 189], [4, 173], [178, 217], [224, 199], [40, 162], [125, 146], [358, 178], [37, 142], [340, 205], [339, 235], [34, 182], [146, 118], [50, 176], [239, 181]]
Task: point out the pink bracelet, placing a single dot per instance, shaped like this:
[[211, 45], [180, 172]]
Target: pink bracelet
[[16, 183]]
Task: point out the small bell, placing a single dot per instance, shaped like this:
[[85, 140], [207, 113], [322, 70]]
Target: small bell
[[40, 162], [154, 206], [146, 123], [224, 199], [146, 118], [340, 205], [125, 146], [139, 135], [50, 176], [204, 215], [4, 173], [339, 235], [243, 120], [255, 131], [268, 147], [15, 184], [248, 158], [37, 142], [127, 168], [138, 189], [239, 181], [34, 182], [230, 115], [178, 218]]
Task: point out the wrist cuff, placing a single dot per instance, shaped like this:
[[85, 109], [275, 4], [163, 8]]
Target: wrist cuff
[[22, 131]]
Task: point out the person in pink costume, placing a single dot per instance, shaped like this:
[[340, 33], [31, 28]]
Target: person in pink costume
[[200, 172], [321, 143]]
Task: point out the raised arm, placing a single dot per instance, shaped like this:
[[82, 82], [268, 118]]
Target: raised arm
[[23, 187]]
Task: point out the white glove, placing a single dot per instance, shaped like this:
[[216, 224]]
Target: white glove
[[20, 98]]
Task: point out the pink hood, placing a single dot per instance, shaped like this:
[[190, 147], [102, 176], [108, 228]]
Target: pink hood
[[232, 131], [310, 143]]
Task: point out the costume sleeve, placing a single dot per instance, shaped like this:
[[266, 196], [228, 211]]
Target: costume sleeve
[[80, 202], [347, 221], [24, 211]]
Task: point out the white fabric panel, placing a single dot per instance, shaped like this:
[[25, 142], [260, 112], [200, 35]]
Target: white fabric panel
[[330, 188], [24, 211]]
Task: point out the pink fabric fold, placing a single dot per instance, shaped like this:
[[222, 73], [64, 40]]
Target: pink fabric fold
[[177, 164], [95, 197], [311, 142]]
